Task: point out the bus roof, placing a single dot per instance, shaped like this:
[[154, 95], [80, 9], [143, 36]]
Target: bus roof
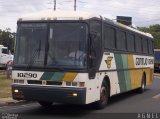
[[127, 27], [58, 15], [72, 15]]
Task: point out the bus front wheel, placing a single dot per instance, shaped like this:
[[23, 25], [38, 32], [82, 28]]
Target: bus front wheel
[[104, 96], [45, 104]]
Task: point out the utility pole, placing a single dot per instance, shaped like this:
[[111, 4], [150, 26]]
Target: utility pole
[[54, 5], [74, 5]]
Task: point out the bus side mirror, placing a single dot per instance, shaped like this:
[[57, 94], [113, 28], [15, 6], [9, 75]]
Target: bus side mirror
[[92, 69], [93, 54], [93, 60]]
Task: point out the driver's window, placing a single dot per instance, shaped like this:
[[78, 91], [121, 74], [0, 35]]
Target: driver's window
[[95, 37]]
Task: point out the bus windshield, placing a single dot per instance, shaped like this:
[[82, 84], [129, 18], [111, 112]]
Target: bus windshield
[[57, 45]]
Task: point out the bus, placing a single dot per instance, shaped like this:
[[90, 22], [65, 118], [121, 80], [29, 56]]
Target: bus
[[78, 58], [157, 60]]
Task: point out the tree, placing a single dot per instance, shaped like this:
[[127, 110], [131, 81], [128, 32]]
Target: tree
[[155, 31], [7, 39]]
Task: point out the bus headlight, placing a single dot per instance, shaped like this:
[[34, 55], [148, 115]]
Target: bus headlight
[[74, 94], [16, 90]]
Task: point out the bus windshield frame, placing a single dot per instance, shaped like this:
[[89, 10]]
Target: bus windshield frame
[[70, 51]]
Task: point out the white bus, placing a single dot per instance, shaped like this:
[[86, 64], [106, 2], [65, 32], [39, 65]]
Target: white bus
[[78, 58]]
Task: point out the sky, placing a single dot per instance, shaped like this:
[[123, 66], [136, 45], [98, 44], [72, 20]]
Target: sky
[[143, 12]]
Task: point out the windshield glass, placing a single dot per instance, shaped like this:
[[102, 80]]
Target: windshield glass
[[57, 45], [4, 50], [67, 45], [31, 44]]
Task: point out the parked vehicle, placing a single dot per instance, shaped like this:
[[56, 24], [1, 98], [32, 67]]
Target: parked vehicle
[[5, 56], [156, 60]]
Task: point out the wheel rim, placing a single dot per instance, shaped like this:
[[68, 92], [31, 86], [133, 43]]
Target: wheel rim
[[143, 85], [103, 95]]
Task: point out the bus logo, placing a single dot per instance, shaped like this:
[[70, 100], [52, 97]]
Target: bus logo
[[108, 61]]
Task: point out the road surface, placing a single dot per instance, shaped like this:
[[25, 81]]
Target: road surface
[[127, 104]]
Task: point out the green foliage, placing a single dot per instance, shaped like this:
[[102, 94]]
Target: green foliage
[[7, 38], [155, 31]]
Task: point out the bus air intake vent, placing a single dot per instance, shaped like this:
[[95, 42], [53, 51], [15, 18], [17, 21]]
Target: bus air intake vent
[[34, 82], [47, 82], [53, 83]]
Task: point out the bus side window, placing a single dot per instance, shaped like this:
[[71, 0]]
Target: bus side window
[[145, 45], [121, 40], [150, 46], [138, 44], [109, 37], [130, 42]]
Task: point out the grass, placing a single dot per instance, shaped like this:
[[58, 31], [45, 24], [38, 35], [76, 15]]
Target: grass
[[5, 86]]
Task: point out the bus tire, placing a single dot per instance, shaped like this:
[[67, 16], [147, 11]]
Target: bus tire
[[143, 84], [45, 104], [104, 96]]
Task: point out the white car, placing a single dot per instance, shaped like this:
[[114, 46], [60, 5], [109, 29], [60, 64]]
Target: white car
[[5, 56]]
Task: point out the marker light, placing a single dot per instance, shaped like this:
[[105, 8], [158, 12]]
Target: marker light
[[49, 18], [21, 81], [74, 83], [68, 83], [15, 81], [75, 94], [20, 19], [42, 18], [16, 91], [55, 18], [80, 18], [81, 84]]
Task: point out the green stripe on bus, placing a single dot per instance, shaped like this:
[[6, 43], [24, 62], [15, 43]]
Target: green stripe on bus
[[58, 76], [121, 76], [47, 76]]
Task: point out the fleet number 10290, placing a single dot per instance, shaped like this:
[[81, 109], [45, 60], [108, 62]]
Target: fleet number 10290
[[27, 75]]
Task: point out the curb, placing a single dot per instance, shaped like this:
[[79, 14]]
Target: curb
[[10, 102], [157, 75]]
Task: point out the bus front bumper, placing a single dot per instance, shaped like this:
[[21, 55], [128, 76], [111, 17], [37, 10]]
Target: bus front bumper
[[48, 93]]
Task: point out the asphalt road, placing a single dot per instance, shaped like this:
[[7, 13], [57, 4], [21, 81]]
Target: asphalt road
[[132, 103]]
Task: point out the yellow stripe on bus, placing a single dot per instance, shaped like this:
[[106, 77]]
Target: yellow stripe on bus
[[69, 77], [131, 65], [149, 75], [135, 75]]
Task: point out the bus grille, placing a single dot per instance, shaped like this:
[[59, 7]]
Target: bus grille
[[47, 82]]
